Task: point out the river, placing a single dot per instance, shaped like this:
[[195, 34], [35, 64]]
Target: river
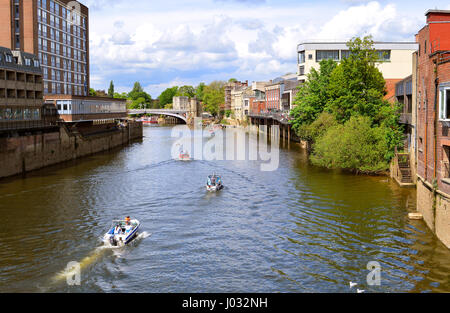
[[297, 229]]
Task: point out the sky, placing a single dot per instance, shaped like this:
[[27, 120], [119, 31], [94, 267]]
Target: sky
[[184, 42]]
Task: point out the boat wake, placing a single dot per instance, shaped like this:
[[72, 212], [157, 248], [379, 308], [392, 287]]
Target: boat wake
[[94, 257]]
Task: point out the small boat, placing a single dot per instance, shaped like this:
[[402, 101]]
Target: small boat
[[214, 183], [122, 232], [184, 156]]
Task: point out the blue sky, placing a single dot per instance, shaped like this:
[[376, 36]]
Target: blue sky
[[167, 43]]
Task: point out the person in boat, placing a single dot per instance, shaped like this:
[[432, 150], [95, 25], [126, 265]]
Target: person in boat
[[117, 229], [127, 220]]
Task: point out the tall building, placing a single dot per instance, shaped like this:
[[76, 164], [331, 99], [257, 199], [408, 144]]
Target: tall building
[[433, 122], [57, 31]]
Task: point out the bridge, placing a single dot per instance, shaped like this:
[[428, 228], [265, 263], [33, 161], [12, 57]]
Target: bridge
[[182, 115]]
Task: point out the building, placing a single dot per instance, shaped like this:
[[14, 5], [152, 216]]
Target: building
[[57, 34], [395, 59], [230, 86], [280, 93], [258, 100], [79, 108], [433, 123], [181, 103], [21, 102]]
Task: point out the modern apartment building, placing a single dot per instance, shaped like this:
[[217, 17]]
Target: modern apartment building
[[395, 59], [57, 31], [433, 123]]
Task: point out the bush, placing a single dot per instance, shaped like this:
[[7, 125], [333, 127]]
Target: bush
[[311, 132], [356, 145]]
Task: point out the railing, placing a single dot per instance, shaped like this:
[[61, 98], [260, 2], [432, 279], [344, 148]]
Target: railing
[[27, 124], [280, 116]]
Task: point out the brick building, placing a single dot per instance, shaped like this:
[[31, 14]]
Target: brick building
[[433, 123], [57, 34]]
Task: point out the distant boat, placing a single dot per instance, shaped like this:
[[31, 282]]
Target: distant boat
[[184, 156]]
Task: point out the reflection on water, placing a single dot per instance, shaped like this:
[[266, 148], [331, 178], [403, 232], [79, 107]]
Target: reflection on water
[[297, 229]]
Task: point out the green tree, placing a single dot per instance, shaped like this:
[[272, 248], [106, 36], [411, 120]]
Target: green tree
[[111, 89], [199, 91], [356, 85], [139, 103], [185, 91], [122, 95], [167, 95], [313, 95], [92, 92], [213, 97], [355, 145]]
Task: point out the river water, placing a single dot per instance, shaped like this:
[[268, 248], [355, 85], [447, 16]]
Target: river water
[[297, 229]]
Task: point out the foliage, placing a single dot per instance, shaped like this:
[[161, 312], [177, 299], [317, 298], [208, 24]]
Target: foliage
[[311, 132], [139, 103], [355, 145], [111, 89], [227, 113], [185, 91], [213, 97], [168, 106], [122, 95], [92, 92], [199, 91], [232, 80], [341, 111], [167, 95], [312, 96]]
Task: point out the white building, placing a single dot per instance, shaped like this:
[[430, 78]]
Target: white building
[[395, 57]]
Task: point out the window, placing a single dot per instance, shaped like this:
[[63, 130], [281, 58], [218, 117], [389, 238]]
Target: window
[[327, 54], [301, 70], [301, 57], [444, 104], [345, 54], [384, 55]]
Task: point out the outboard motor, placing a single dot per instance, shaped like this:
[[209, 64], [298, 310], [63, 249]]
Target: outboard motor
[[113, 241]]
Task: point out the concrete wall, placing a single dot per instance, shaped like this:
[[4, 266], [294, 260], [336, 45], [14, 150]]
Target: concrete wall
[[435, 209], [26, 153]]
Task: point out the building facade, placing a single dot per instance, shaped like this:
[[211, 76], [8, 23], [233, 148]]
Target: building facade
[[395, 59], [433, 123], [78, 108], [229, 87], [181, 103], [57, 31], [21, 97]]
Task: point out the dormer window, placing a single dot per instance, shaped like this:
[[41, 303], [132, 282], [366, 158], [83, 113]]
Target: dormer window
[[8, 58]]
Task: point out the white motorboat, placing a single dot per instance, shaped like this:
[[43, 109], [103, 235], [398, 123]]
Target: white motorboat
[[122, 232], [214, 183]]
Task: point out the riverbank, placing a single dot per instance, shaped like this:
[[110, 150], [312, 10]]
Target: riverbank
[[20, 154]]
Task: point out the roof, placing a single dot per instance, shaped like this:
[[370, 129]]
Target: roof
[[19, 61], [437, 11], [343, 46]]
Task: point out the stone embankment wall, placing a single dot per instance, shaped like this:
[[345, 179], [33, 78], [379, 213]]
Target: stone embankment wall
[[27, 153]]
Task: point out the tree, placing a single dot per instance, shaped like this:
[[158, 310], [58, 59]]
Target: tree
[[232, 80], [139, 103], [122, 95], [92, 92], [213, 97], [167, 95], [199, 91], [185, 91], [341, 111], [355, 145], [111, 89], [313, 95], [356, 85]]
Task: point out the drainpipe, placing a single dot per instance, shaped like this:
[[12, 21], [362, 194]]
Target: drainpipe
[[436, 114]]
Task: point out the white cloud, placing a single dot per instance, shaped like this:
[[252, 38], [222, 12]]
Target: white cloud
[[161, 48]]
